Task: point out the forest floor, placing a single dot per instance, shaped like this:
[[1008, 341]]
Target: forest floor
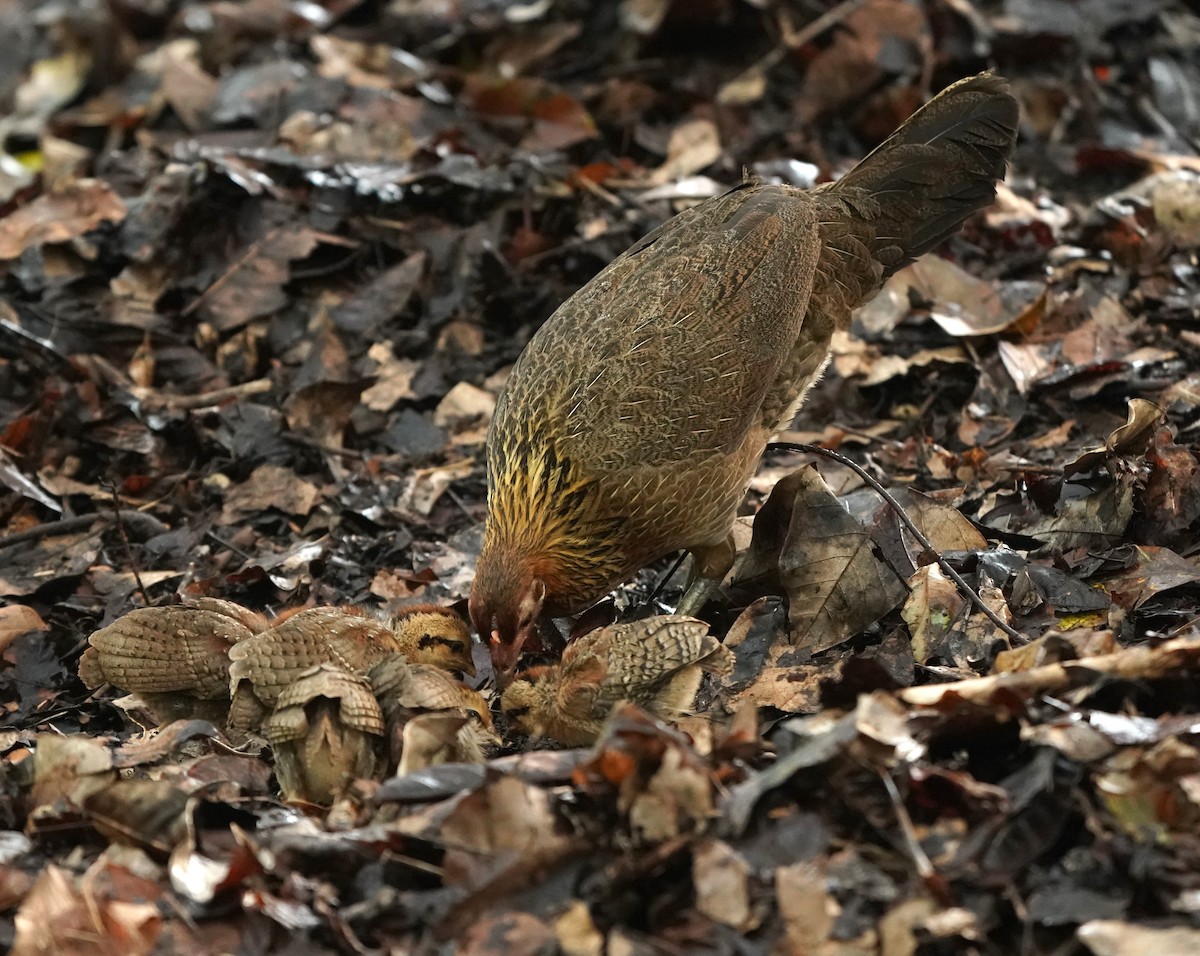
[[265, 267]]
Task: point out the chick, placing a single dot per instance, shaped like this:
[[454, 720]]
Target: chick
[[325, 732], [431, 717], [431, 634], [656, 663], [160, 650], [348, 637], [265, 663]]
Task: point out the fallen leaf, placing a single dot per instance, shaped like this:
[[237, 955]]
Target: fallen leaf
[[18, 619], [270, 486], [1109, 937], [825, 561], [65, 214], [721, 877], [56, 917], [933, 609], [693, 145]]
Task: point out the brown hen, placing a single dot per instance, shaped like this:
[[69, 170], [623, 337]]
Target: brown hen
[[634, 419]]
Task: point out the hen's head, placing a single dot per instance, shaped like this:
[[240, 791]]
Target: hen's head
[[506, 601]]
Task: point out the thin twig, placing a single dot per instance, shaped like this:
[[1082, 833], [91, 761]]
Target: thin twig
[[234, 268], [969, 592], [322, 447], [793, 41], [925, 868], [157, 400], [120, 523], [662, 582], [227, 546], [1127, 663]]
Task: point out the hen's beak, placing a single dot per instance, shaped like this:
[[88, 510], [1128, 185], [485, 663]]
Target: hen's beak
[[504, 659]]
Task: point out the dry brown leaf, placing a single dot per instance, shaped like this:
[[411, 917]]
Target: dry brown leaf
[[557, 120], [1106, 336], [1131, 663], [321, 411], [70, 769], [270, 486], [677, 799], [933, 610], [945, 527], [65, 214], [57, 918], [142, 813], [507, 934], [18, 619], [851, 64], [507, 814], [694, 145], [425, 486], [807, 908], [892, 366], [1098, 520], [1171, 500], [252, 286], [1054, 647], [825, 561], [186, 85], [1027, 363], [962, 304], [721, 877], [464, 404], [1154, 571], [1110, 937], [393, 378], [577, 933]]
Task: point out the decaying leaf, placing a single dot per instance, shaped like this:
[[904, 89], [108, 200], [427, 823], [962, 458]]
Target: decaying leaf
[[58, 913], [68, 213], [824, 559], [933, 609]]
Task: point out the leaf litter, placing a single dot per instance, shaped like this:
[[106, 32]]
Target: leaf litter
[[266, 267]]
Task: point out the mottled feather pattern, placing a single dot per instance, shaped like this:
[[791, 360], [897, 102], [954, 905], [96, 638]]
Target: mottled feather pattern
[[636, 661], [273, 659], [160, 650], [919, 184], [356, 705], [399, 685], [633, 421], [656, 663], [661, 458]]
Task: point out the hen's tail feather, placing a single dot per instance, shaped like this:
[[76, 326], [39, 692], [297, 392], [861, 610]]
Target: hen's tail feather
[[940, 166]]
